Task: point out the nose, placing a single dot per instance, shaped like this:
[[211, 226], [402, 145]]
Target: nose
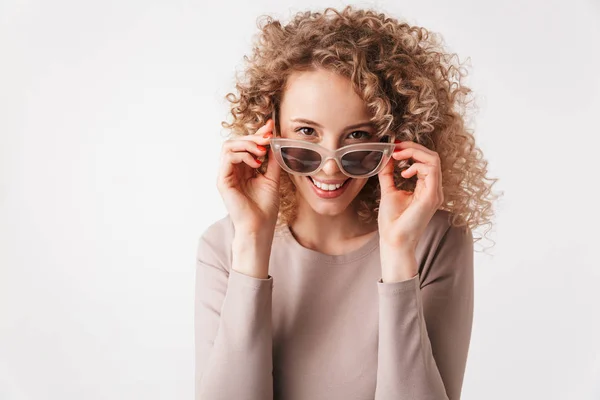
[[331, 167]]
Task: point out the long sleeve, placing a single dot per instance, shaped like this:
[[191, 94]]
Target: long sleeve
[[425, 327], [233, 333]]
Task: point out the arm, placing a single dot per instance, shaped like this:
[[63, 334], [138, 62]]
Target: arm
[[425, 328], [233, 336]]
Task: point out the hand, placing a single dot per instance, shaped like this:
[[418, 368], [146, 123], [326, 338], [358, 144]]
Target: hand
[[403, 215], [251, 198]]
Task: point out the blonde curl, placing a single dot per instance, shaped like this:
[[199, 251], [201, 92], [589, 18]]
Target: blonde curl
[[411, 85]]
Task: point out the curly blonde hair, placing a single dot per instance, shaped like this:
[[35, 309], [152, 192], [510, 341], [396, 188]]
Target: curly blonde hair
[[408, 82]]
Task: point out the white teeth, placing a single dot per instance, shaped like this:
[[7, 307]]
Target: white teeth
[[325, 186]]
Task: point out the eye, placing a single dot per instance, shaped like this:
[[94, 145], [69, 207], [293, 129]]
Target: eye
[[305, 127], [364, 135]]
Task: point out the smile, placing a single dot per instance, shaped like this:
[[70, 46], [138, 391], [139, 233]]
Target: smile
[[327, 186], [328, 190]]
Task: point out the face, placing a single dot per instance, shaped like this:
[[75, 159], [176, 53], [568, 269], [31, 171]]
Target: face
[[320, 107]]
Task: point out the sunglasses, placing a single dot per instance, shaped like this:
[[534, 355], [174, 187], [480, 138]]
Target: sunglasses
[[360, 160]]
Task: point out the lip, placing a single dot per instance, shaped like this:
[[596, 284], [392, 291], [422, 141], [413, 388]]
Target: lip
[[330, 182], [329, 194]]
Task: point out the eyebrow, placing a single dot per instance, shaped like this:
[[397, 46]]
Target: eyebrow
[[359, 125]]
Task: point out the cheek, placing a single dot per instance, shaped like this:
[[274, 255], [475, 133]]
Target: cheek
[[358, 184], [296, 180]]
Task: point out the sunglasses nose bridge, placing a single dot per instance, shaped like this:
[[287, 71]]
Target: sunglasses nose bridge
[[337, 161]]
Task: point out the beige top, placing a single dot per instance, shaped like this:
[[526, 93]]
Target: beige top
[[326, 326]]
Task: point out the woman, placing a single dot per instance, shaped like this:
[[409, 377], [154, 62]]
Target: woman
[[338, 273]]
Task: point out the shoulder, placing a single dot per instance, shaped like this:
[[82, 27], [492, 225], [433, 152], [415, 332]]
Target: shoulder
[[444, 247], [214, 243], [440, 230], [221, 229]]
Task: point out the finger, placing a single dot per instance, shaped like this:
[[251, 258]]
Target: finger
[[422, 171], [428, 174], [237, 157], [245, 145], [431, 179], [273, 168], [409, 144], [267, 127], [262, 136], [386, 178], [258, 139], [417, 154], [230, 159]]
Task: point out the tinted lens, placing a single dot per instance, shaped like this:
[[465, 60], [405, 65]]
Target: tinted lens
[[300, 160], [361, 162]]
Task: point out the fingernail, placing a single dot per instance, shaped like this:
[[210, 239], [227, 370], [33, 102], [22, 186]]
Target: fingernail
[[262, 148], [267, 135], [397, 141]]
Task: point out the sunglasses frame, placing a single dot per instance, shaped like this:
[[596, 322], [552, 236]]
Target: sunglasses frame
[[278, 143]]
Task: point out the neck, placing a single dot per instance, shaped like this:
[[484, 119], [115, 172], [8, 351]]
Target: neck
[[319, 231]]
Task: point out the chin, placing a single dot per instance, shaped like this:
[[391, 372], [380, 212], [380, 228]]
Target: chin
[[329, 210]]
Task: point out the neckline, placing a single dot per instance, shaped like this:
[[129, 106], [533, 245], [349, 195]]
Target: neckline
[[313, 255]]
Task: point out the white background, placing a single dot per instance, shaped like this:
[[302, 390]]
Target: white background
[[110, 137]]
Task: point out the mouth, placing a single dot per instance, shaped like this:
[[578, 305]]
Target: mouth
[[328, 191]]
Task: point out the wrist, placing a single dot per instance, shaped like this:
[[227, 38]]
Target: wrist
[[398, 264], [251, 253], [389, 251], [252, 241]]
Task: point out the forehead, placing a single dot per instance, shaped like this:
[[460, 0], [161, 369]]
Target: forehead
[[322, 95]]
